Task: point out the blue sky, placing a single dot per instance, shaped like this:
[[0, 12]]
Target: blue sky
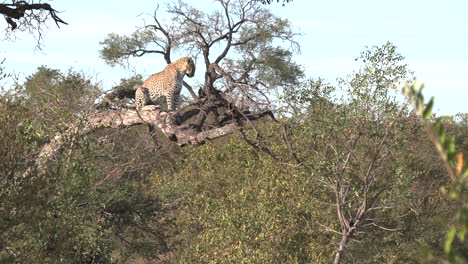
[[432, 35]]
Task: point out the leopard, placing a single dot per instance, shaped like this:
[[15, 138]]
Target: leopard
[[167, 83]]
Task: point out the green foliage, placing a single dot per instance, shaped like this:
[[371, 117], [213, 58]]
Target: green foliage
[[123, 196], [359, 143], [252, 210], [127, 83], [70, 90], [374, 85], [278, 69], [116, 47], [67, 216], [72, 213], [42, 221], [457, 190], [56, 99]]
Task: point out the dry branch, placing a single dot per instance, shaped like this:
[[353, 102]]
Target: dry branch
[[22, 9]]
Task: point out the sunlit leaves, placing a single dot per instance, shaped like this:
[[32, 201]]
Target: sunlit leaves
[[117, 49], [277, 68], [251, 209]]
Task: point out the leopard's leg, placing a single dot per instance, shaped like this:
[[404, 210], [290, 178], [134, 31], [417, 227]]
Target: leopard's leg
[[170, 101], [146, 97], [139, 98], [176, 101], [156, 99]]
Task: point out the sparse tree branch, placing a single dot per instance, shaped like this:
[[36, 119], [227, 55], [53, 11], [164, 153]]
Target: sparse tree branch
[[379, 208], [142, 52], [369, 197], [169, 40], [190, 89], [29, 16], [267, 2], [328, 229], [381, 227]]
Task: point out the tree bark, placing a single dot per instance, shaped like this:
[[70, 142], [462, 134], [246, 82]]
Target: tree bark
[[341, 248]]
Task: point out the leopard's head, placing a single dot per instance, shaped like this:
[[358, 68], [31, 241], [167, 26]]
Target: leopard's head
[[188, 66]]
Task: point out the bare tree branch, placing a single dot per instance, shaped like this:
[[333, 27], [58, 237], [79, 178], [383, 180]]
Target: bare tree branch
[[383, 228], [15, 11], [350, 225]]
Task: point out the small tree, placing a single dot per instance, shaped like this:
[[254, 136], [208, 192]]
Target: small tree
[[354, 142], [361, 174], [54, 93]]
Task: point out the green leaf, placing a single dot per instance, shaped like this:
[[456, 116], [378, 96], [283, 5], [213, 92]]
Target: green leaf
[[449, 240], [421, 87], [413, 89], [428, 111], [461, 234], [441, 134], [426, 252], [420, 103], [449, 148], [465, 174]]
